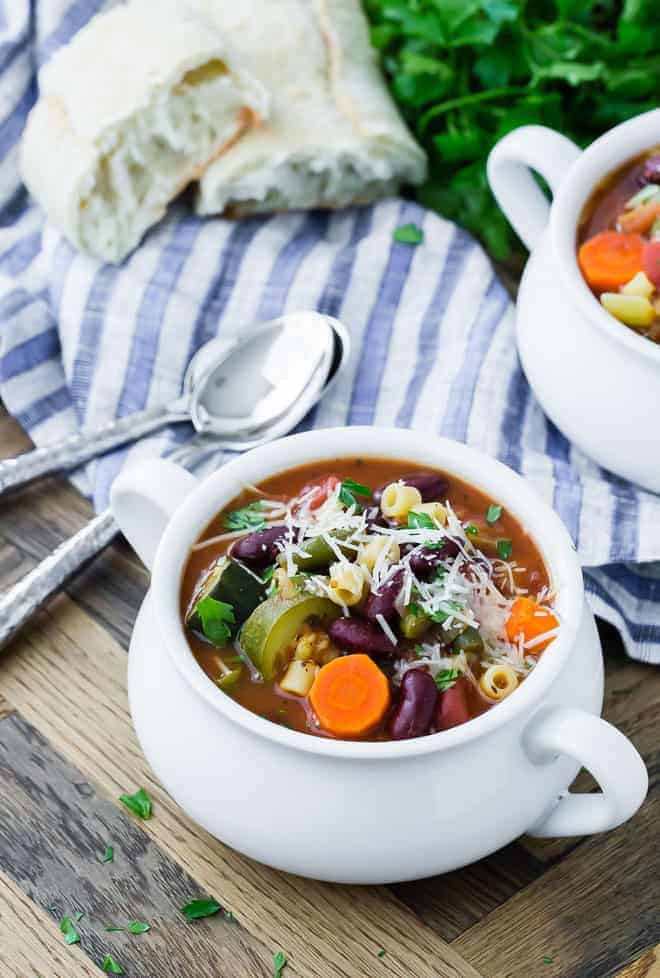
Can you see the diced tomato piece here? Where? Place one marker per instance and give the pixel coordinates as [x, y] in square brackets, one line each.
[318, 492]
[652, 261]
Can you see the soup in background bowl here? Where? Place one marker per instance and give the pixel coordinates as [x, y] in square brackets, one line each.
[367, 598]
[619, 244]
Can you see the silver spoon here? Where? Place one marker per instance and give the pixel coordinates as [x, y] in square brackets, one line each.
[264, 381]
[25, 597]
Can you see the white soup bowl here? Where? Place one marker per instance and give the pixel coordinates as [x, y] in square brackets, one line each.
[368, 812]
[596, 379]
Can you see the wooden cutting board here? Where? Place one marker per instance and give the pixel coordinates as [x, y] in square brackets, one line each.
[585, 908]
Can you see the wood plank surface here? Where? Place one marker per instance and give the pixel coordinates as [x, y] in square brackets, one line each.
[646, 966]
[86, 720]
[31, 943]
[54, 828]
[556, 908]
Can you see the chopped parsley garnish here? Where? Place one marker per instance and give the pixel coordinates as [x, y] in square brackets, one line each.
[110, 929]
[109, 964]
[202, 907]
[108, 855]
[493, 514]
[216, 617]
[420, 521]
[446, 679]
[472, 530]
[350, 489]
[441, 615]
[381, 954]
[139, 926]
[71, 935]
[279, 963]
[548, 959]
[504, 548]
[247, 518]
[409, 234]
[139, 803]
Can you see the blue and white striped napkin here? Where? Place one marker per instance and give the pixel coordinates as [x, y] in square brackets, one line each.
[432, 328]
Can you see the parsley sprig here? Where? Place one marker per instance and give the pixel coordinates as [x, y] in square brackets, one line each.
[446, 679]
[466, 72]
[350, 489]
[216, 617]
[247, 518]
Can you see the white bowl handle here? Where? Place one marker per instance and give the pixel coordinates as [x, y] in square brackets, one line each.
[515, 189]
[143, 498]
[603, 750]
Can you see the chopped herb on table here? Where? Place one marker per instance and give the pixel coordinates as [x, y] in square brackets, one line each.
[110, 965]
[381, 954]
[71, 935]
[139, 803]
[139, 927]
[279, 963]
[548, 959]
[79, 915]
[108, 855]
[465, 74]
[504, 548]
[250, 517]
[493, 514]
[200, 908]
[409, 234]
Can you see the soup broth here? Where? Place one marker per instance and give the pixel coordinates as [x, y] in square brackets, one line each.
[366, 599]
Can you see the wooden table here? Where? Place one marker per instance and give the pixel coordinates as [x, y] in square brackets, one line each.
[561, 909]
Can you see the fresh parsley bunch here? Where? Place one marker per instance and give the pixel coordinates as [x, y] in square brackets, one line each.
[466, 72]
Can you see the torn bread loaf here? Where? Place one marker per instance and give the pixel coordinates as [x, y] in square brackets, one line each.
[334, 137]
[129, 112]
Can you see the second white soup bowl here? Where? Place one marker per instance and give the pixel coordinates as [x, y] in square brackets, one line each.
[598, 380]
[368, 812]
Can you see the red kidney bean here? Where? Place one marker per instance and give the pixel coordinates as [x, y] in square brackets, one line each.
[383, 603]
[452, 709]
[413, 713]
[651, 171]
[432, 485]
[424, 560]
[258, 549]
[355, 635]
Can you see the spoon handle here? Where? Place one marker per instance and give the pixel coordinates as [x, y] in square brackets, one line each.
[84, 445]
[20, 602]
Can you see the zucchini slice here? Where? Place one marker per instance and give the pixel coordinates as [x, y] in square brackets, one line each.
[274, 624]
[228, 581]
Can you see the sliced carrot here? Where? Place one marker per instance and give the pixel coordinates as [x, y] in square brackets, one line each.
[610, 259]
[640, 219]
[530, 620]
[350, 696]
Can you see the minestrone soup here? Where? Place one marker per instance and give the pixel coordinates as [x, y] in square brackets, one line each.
[367, 599]
[619, 244]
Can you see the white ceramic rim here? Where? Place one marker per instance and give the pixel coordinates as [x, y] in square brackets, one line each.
[500, 482]
[602, 157]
